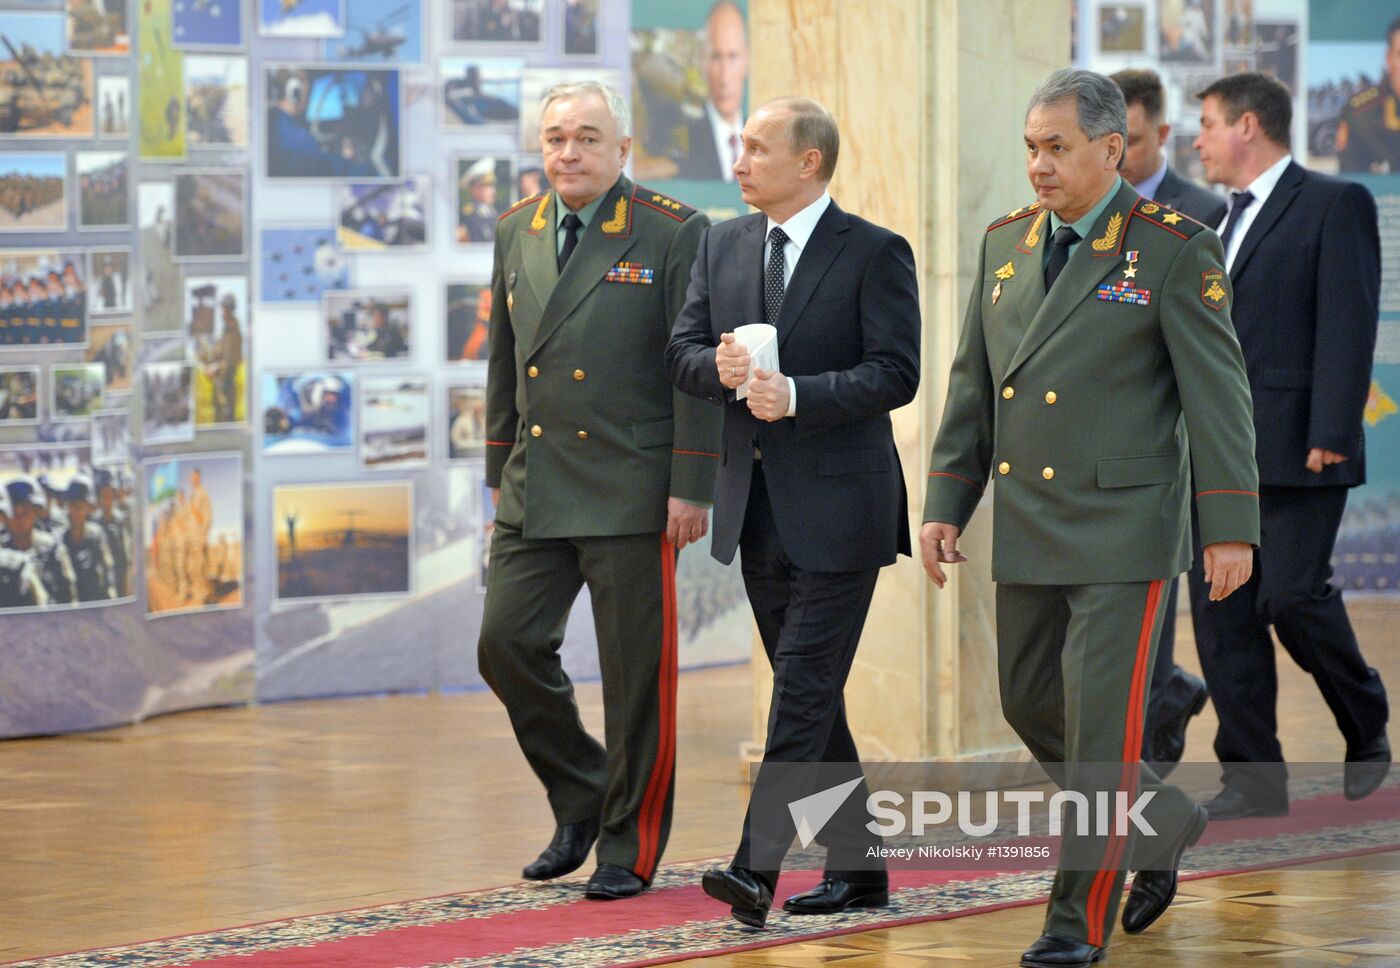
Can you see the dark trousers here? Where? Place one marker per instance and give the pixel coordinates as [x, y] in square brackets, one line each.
[1289, 591]
[1162, 701]
[530, 587]
[810, 623]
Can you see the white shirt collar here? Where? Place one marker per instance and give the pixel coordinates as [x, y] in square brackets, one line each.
[722, 130]
[799, 228]
[1263, 186]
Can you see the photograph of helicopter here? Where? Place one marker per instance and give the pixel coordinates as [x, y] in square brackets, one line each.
[44, 91]
[98, 27]
[376, 37]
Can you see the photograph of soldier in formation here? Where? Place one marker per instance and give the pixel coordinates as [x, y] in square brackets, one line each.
[218, 330]
[343, 540]
[216, 101]
[497, 21]
[111, 346]
[368, 325]
[43, 301]
[98, 27]
[308, 413]
[193, 532]
[104, 194]
[485, 190]
[113, 106]
[466, 422]
[110, 272]
[19, 395]
[76, 390]
[33, 192]
[45, 92]
[393, 422]
[383, 218]
[111, 437]
[167, 387]
[478, 92]
[209, 215]
[65, 529]
[468, 321]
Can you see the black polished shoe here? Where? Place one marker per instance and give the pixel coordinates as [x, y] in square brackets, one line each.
[1366, 768]
[748, 896]
[1231, 804]
[565, 853]
[1054, 951]
[1153, 890]
[1189, 694]
[833, 895]
[612, 883]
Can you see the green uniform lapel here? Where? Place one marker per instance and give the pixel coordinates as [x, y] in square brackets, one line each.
[604, 242]
[1096, 257]
[1028, 284]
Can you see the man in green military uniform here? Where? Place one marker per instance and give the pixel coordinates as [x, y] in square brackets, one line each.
[1098, 320]
[1368, 136]
[602, 472]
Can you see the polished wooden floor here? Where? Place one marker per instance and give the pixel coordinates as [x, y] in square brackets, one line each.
[208, 819]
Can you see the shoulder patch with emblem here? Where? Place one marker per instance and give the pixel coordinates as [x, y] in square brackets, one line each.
[663, 203]
[1015, 215]
[1365, 99]
[1213, 288]
[523, 203]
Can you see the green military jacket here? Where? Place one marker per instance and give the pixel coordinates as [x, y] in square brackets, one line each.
[585, 434]
[1093, 406]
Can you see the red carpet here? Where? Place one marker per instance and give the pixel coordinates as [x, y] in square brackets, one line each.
[541, 925]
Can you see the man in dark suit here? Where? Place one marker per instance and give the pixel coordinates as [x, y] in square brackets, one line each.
[713, 142]
[1303, 253]
[810, 488]
[1176, 695]
[603, 472]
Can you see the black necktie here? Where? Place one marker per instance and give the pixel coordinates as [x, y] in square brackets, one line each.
[572, 223]
[1063, 238]
[774, 281]
[1239, 201]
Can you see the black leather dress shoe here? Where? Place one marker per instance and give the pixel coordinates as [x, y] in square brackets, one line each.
[1366, 768]
[1054, 951]
[1231, 804]
[1153, 890]
[749, 897]
[1188, 695]
[612, 883]
[565, 853]
[833, 895]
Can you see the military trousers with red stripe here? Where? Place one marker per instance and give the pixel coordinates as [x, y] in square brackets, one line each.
[627, 784]
[1075, 665]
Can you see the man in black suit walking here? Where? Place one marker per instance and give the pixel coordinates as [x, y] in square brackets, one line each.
[1176, 695]
[1303, 253]
[810, 489]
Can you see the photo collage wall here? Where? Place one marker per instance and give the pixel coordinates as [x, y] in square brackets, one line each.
[244, 319]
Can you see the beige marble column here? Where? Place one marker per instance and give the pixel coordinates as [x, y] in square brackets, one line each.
[930, 95]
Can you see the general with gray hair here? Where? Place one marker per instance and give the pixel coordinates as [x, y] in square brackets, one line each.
[617, 104]
[1100, 104]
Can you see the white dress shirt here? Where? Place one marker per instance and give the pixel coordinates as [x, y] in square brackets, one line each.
[723, 131]
[799, 229]
[1262, 187]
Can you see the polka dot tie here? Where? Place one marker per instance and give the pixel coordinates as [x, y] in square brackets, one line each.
[773, 282]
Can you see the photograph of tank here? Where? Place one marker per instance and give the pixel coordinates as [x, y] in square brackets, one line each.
[343, 540]
[45, 92]
[98, 27]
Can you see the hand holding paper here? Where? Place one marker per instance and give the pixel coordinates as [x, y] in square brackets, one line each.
[761, 342]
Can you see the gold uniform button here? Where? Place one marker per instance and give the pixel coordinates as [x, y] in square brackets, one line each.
[1008, 392]
[579, 374]
[533, 371]
[583, 435]
[1004, 467]
[1050, 396]
[1048, 473]
[536, 430]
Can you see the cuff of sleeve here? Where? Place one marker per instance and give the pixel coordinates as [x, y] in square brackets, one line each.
[1228, 515]
[951, 498]
[792, 398]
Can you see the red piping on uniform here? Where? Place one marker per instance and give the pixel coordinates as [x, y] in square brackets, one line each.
[696, 453]
[956, 477]
[663, 768]
[1204, 493]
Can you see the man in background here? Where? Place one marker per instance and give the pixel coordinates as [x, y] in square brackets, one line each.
[715, 138]
[1368, 135]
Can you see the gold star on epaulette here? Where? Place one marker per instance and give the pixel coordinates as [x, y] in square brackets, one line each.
[1171, 218]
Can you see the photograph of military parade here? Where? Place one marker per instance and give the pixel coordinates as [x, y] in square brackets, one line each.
[43, 301]
[343, 540]
[33, 192]
[193, 533]
[65, 529]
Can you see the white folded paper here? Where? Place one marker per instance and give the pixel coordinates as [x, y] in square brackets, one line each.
[761, 340]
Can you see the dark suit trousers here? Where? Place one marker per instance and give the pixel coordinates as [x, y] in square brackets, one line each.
[531, 585]
[810, 623]
[1162, 701]
[1289, 590]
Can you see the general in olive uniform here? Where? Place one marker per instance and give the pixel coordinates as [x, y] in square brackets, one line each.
[1084, 345]
[603, 469]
